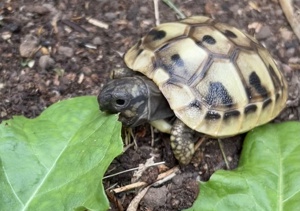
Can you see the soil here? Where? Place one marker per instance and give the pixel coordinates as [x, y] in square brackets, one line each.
[54, 50]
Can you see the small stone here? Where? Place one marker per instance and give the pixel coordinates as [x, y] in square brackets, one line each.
[144, 10]
[290, 52]
[67, 51]
[86, 70]
[28, 46]
[97, 41]
[156, 196]
[110, 15]
[294, 60]
[46, 62]
[264, 33]
[6, 35]
[13, 27]
[39, 9]
[286, 34]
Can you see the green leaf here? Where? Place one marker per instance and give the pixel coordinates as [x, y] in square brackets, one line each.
[57, 160]
[268, 176]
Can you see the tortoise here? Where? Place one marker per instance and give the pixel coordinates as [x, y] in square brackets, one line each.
[215, 79]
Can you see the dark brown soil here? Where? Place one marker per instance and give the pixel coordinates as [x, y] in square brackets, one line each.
[49, 51]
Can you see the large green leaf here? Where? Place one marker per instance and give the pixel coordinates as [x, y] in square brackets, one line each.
[57, 160]
[268, 176]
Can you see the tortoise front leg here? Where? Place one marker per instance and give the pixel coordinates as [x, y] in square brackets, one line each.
[182, 142]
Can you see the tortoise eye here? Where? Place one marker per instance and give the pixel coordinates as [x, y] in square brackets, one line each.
[120, 102]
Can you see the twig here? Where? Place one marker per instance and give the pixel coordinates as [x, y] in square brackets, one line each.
[292, 16]
[140, 184]
[97, 23]
[133, 206]
[152, 135]
[223, 153]
[156, 12]
[162, 181]
[74, 26]
[129, 187]
[133, 169]
[199, 142]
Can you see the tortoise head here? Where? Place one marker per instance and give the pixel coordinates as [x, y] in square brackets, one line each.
[137, 99]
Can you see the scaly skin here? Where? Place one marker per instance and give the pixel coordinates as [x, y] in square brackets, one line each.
[182, 142]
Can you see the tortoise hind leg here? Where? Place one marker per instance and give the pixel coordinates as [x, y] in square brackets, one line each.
[182, 142]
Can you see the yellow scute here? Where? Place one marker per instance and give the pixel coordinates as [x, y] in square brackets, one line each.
[143, 63]
[160, 76]
[178, 96]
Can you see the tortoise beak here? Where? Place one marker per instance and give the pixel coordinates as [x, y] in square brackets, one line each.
[104, 101]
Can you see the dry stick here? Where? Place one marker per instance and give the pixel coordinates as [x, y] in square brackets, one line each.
[152, 136]
[140, 184]
[199, 142]
[292, 16]
[223, 154]
[132, 169]
[97, 23]
[133, 206]
[156, 12]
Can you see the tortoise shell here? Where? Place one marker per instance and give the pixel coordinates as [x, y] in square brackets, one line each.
[218, 80]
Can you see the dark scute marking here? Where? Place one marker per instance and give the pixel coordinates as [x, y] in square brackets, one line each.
[155, 63]
[248, 92]
[230, 114]
[274, 76]
[229, 34]
[267, 102]
[254, 81]
[139, 52]
[157, 35]
[217, 92]
[164, 47]
[212, 115]
[209, 39]
[196, 104]
[277, 96]
[177, 60]
[250, 109]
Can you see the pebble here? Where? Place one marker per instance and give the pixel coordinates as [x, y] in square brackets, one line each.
[67, 51]
[294, 60]
[86, 70]
[290, 52]
[28, 46]
[110, 15]
[144, 10]
[41, 10]
[286, 34]
[156, 196]
[6, 35]
[264, 33]
[46, 62]
[97, 41]
[13, 27]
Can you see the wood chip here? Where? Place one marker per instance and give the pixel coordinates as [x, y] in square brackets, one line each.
[97, 23]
